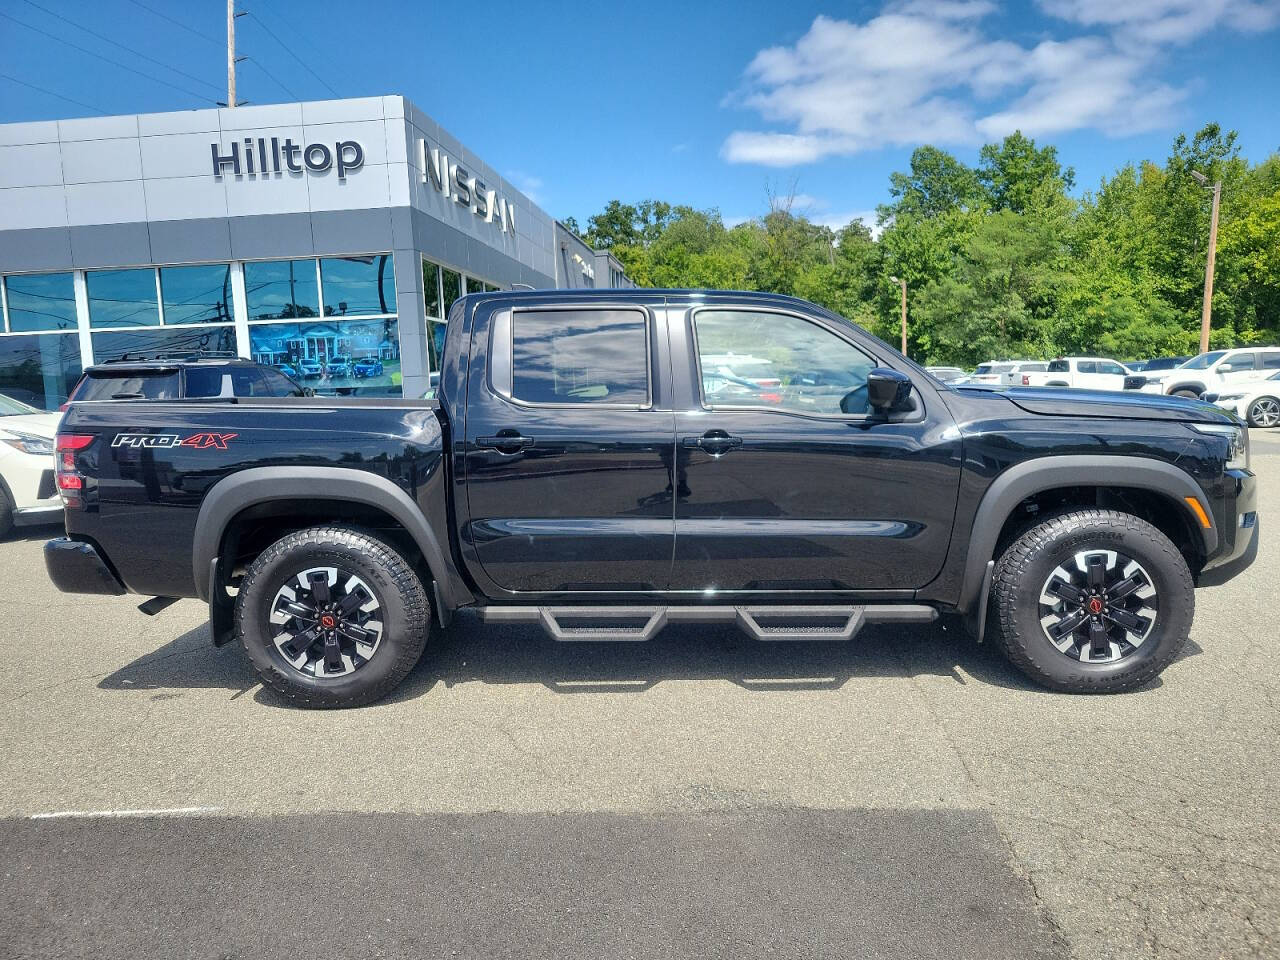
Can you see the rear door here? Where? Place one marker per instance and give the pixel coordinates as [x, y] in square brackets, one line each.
[569, 448]
[1110, 375]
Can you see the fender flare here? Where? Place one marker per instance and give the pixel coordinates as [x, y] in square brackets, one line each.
[257, 485]
[1197, 386]
[1035, 476]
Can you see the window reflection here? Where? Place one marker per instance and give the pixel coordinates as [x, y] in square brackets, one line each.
[196, 294]
[358, 285]
[122, 298]
[580, 356]
[333, 356]
[141, 344]
[41, 301]
[452, 283]
[39, 369]
[281, 289]
[431, 288]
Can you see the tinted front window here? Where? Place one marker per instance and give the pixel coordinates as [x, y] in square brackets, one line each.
[779, 362]
[281, 289]
[196, 294]
[356, 286]
[1204, 360]
[580, 356]
[45, 301]
[122, 298]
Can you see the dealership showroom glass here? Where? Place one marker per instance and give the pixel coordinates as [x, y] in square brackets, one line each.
[328, 239]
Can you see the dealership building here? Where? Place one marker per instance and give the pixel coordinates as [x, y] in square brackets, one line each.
[326, 238]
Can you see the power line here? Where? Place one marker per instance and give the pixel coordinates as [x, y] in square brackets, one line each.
[177, 23]
[78, 103]
[288, 49]
[257, 63]
[114, 63]
[136, 53]
[294, 33]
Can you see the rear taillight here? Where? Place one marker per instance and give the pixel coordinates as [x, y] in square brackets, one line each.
[70, 482]
[1026, 380]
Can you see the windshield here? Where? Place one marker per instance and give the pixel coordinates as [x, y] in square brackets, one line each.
[10, 407]
[1204, 360]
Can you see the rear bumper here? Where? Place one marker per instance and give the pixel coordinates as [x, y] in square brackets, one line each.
[76, 567]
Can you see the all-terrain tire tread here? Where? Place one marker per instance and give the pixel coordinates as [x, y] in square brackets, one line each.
[1008, 578]
[404, 578]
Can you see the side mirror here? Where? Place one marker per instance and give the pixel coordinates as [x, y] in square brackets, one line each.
[888, 390]
[308, 392]
[1226, 367]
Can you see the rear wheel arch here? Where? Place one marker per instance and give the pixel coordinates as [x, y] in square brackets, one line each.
[373, 498]
[997, 514]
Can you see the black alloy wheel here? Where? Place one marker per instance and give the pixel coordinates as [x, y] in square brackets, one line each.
[326, 622]
[1099, 607]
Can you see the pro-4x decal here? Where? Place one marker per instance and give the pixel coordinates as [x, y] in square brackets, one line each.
[167, 441]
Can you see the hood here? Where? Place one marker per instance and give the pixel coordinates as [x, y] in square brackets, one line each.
[40, 424]
[1124, 405]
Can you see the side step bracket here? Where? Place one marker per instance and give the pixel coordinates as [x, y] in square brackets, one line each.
[803, 623]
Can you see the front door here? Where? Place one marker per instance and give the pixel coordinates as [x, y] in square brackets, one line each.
[785, 482]
[569, 449]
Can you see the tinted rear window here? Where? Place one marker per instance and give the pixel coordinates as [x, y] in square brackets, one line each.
[129, 385]
[1059, 366]
[580, 356]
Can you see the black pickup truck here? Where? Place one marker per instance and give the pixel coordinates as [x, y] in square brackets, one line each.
[606, 462]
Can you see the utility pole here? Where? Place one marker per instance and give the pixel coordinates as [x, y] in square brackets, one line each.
[1207, 308]
[231, 53]
[904, 313]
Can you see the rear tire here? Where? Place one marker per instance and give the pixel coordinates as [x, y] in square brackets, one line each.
[1264, 412]
[360, 588]
[1142, 581]
[1189, 394]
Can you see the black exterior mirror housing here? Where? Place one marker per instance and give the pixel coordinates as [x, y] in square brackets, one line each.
[888, 391]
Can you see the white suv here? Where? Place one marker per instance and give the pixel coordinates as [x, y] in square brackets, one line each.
[1213, 371]
[27, 490]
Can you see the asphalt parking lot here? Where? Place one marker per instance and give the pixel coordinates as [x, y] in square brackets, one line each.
[907, 794]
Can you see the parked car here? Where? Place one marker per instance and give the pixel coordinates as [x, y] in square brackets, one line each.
[187, 375]
[991, 372]
[1093, 373]
[366, 367]
[1213, 372]
[288, 370]
[574, 473]
[311, 368]
[1256, 402]
[339, 365]
[1013, 377]
[27, 491]
[948, 374]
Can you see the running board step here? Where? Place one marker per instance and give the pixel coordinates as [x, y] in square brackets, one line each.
[804, 623]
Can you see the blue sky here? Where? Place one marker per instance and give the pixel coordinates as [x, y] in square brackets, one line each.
[712, 105]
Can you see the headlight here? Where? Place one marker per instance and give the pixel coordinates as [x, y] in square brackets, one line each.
[1237, 442]
[1230, 396]
[28, 443]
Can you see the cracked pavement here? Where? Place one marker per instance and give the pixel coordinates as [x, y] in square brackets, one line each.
[1142, 825]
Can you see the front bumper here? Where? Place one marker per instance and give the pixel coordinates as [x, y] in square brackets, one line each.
[1238, 530]
[76, 567]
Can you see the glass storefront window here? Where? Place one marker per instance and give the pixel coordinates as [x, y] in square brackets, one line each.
[139, 344]
[281, 289]
[452, 288]
[358, 285]
[122, 298]
[39, 369]
[196, 294]
[333, 356]
[431, 288]
[41, 301]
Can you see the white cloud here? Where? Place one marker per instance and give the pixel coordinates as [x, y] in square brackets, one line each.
[927, 70]
[527, 184]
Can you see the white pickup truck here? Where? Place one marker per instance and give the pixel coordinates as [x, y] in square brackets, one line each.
[1212, 372]
[1094, 373]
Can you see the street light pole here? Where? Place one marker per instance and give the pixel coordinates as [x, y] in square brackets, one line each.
[1207, 308]
[904, 313]
[231, 53]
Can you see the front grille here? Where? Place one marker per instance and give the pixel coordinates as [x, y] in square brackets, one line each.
[47, 488]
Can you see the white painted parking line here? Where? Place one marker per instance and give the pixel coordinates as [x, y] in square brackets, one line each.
[156, 812]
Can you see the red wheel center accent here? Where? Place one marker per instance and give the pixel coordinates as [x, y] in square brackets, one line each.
[1095, 605]
[328, 621]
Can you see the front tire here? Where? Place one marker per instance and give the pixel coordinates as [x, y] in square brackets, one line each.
[332, 617]
[1186, 392]
[1264, 412]
[6, 514]
[1092, 601]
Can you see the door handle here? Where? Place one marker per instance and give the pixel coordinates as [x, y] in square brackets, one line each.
[505, 442]
[714, 442]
